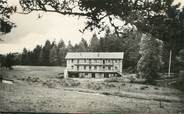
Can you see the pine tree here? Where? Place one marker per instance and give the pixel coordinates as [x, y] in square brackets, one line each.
[94, 43]
[61, 52]
[53, 56]
[46, 51]
[36, 53]
[69, 47]
[150, 61]
[83, 46]
[25, 58]
[40, 58]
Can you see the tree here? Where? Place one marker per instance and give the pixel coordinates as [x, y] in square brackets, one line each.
[53, 57]
[94, 43]
[160, 18]
[142, 13]
[2, 60]
[40, 58]
[180, 63]
[46, 53]
[36, 53]
[180, 59]
[10, 60]
[61, 52]
[69, 47]
[150, 61]
[18, 59]
[5, 11]
[25, 58]
[83, 46]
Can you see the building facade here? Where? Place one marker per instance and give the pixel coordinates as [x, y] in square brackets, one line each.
[94, 64]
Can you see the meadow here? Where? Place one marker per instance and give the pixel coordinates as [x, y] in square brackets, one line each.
[43, 89]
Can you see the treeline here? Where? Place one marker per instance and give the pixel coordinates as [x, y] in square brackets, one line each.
[53, 54]
[7, 61]
[50, 54]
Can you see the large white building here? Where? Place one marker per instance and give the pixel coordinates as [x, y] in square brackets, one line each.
[94, 64]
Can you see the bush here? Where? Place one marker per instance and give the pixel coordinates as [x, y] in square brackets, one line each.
[114, 79]
[180, 83]
[50, 83]
[94, 86]
[143, 87]
[70, 82]
[53, 83]
[32, 79]
[108, 85]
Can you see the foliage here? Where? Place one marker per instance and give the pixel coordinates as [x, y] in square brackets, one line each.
[69, 47]
[82, 46]
[62, 52]
[7, 61]
[24, 57]
[179, 83]
[94, 43]
[5, 12]
[53, 56]
[147, 15]
[180, 59]
[150, 61]
[160, 18]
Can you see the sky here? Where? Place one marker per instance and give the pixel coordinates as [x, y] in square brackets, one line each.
[31, 30]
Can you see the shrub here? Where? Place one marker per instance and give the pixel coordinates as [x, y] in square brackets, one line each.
[114, 79]
[143, 87]
[94, 86]
[70, 82]
[180, 83]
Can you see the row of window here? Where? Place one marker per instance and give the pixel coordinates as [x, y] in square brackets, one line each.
[94, 60]
[94, 67]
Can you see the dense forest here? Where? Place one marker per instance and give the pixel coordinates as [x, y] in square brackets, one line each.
[53, 54]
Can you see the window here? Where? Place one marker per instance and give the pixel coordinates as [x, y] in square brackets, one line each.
[116, 67]
[97, 61]
[72, 66]
[103, 67]
[89, 60]
[84, 60]
[86, 73]
[84, 67]
[109, 68]
[77, 60]
[89, 67]
[77, 67]
[72, 60]
[95, 67]
[103, 61]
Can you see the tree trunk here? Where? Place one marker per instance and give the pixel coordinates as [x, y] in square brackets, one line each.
[170, 60]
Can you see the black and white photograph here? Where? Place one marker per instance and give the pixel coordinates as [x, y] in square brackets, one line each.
[92, 56]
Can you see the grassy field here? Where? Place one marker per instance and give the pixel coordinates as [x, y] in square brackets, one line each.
[41, 89]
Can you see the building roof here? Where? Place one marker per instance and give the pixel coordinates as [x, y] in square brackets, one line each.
[94, 55]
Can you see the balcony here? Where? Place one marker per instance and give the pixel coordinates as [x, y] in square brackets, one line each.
[93, 64]
[93, 70]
